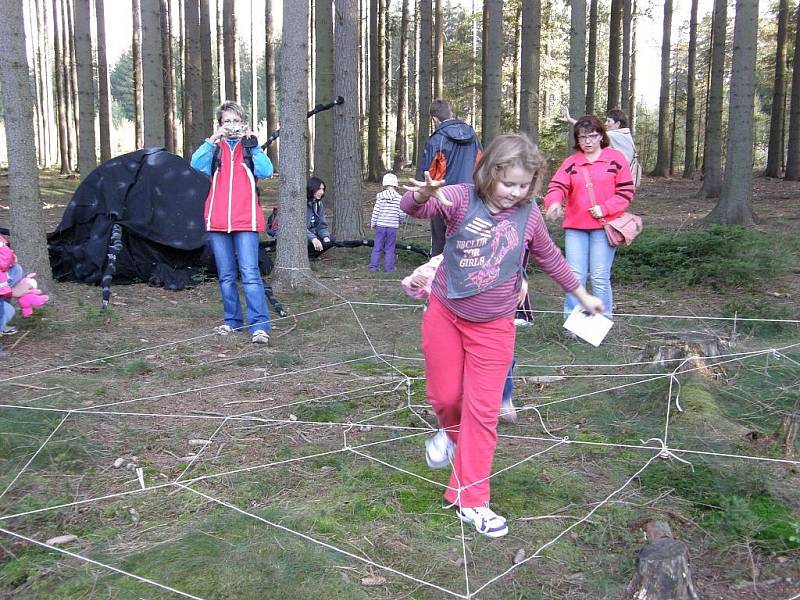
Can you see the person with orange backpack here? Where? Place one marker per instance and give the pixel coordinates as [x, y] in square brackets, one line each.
[450, 154]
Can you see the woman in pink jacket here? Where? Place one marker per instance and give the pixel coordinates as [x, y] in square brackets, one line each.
[590, 186]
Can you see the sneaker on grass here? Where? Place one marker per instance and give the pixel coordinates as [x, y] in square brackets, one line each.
[485, 520]
[439, 450]
[260, 337]
[224, 330]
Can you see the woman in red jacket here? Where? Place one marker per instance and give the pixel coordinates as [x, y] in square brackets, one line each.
[592, 185]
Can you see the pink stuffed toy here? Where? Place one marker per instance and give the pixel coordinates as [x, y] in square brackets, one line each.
[33, 299]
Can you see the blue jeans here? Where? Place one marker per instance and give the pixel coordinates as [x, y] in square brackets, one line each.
[240, 248]
[590, 255]
[7, 309]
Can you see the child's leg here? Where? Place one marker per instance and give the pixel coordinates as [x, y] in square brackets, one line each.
[391, 240]
[6, 313]
[380, 234]
[488, 351]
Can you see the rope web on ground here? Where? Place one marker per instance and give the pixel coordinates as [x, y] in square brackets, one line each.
[398, 378]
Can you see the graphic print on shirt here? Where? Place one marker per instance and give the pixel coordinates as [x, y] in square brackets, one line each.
[504, 238]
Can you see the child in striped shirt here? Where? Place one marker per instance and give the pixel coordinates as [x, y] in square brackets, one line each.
[386, 217]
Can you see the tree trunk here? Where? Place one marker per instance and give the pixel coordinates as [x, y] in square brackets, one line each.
[625, 91]
[376, 75]
[775, 147]
[61, 90]
[253, 72]
[347, 170]
[168, 76]
[387, 80]
[103, 88]
[632, 94]
[152, 76]
[674, 121]
[232, 50]
[87, 153]
[577, 59]
[323, 122]
[663, 158]
[438, 50]
[787, 435]
[793, 149]
[712, 172]
[614, 55]
[591, 65]
[72, 77]
[269, 62]
[515, 64]
[529, 80]
[493, 69]
[688, 158]
[291, 268]
[400, 142]
[207, 62]
[424, 99]
[138, 92]
[735, 201]
[25, 207]
[220, 50]
[193, 130]
[42, 79]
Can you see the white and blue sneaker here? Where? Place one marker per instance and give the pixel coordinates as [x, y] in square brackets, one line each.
[485, 520]
[439, 450]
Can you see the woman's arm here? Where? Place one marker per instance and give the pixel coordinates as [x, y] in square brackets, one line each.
[202, 158]
[262, 165]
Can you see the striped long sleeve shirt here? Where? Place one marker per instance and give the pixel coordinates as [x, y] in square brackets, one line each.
[386, 212]
[500, 301]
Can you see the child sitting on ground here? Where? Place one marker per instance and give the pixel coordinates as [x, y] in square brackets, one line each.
[386, 217]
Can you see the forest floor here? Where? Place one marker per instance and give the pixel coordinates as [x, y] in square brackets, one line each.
[296, 470]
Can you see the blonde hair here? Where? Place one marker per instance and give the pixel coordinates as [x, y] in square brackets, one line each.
[231, 106]
[509, 150]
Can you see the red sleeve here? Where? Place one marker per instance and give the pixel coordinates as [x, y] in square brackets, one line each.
[559, 187]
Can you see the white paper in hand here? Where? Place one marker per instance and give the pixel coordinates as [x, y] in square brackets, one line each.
[592, 328]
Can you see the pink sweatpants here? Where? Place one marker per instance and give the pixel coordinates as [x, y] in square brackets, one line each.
[466, 364]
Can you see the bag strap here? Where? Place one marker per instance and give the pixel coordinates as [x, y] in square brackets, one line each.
[587, 178]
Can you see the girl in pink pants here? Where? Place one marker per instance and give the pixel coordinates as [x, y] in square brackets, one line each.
[468, 330]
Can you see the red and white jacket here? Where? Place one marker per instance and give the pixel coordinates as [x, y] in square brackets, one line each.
[232, 203]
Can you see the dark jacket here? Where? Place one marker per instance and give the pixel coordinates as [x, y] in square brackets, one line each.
[452, 151]
[316, 225]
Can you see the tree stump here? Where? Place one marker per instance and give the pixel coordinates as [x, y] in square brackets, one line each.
[787, 435]
[662, 568]
[668, 349]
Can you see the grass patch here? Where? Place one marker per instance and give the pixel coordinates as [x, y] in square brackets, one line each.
[757, 308]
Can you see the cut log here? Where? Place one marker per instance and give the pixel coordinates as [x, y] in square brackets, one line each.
[662, 567]
[668, 350]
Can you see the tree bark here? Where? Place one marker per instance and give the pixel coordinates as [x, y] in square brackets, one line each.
[138, 76]
[529, 79]
[793, 147]
[232, 50]
[493, 68]
[438, 50]
[347, 169]
[103, 88]
[775, 146]
[401, 141]
[688, 158]
[87, 153]
[614, 55]
[61, 90]
[663, 157]
[207, 62]
[625, 90]
[41, 78]
[72, 78]
[323, 122]
[735, 201]
[168, 76]
[577, 59]
[193, 131]
[632, 113]
[712, 171]
[269, 62]
[376, 75]
[152, 75]
[220, 51]
[591, 65]
[291, 268]
[25, 210]
[424, 59]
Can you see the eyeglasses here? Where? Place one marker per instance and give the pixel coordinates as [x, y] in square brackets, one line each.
[592, 137]
[232, 122]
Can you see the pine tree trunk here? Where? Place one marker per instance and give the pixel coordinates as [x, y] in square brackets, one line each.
[220, 51]
[347, 170]
[529, 84]
[193, 130]
[152, 75]
[775, 147]
[614, 55]
[231, 60]
[72, 72]
[87, 153]
[375, 135]
[793, 146]
[625, 91]
[291, 268]
[663, 157]
[138, 93]
[39, 70]
[323, 122]
[61, 104]
[438, 49]
[254, 71]
[591, 65]
[735, 201]
[206, 60]
[387, 81]
[632, 113]
[424, 60]
[493, 69]
[103, 88]
[401, 142]
[577, 60]
[688, 159]
[712, 172]
[674, 121]
[515, 64]
[269, 62]
[25, 210]
[168, 75]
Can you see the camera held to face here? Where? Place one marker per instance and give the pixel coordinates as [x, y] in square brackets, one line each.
[236, 131]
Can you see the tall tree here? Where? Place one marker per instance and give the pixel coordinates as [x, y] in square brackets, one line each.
[614, 55]
[577, 58]
[493, 69]
[194, 130]
[424, 61]
[438, 49]
[220, 52]
[269, 62]
[777, 116]
[735, 201]
[138, 76]
[712, 171]
[168, 75]
[663, 157]
[207, 62]
[231, 50]
[401, 142]
[625, 88]
[347, 170]
[323, 81]
[254, 70]
[87, 153]
[688, 158]
[103, 87]
[25, 210]
[529, 80]
[152, 76]
[376, 76]
[43, 118]
[793, 148]
[60, 77]
[292, 260]
[591, 65]
[72, 78]
[633, 54]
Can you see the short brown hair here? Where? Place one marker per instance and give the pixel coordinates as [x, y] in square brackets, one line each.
[509, 150]
[589, 124]
[441, 109]
[231, 106]
[618, 116]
